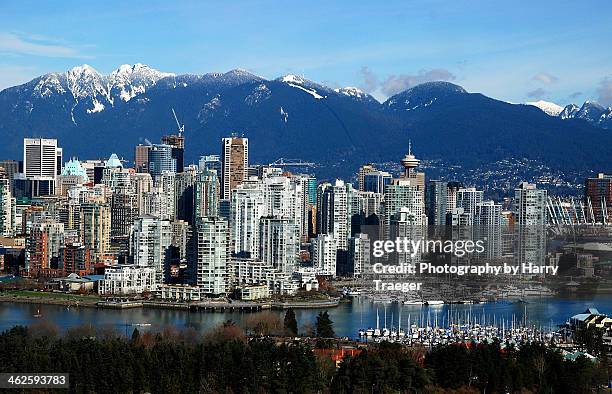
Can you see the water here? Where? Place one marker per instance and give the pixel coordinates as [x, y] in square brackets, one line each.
[348, 318]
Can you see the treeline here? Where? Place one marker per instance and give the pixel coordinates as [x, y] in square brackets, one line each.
[225, 360]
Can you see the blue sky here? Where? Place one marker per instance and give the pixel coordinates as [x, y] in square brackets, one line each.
[516, 51]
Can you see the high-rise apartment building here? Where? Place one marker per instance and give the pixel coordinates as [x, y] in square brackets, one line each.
[95, 223]
[324, 254]
[436, 202]
[530, 221]
[488, 228]
[468, 198]
[151, 240]
[141, 157]
[7, 209]
[235, 164]
[279, 243]
[333, 212]
[212, 255]
[177, 144]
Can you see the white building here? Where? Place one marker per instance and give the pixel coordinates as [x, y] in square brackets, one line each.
[7, 210]
[249, 272]
[333, 211]
[127, 279]
[151, 240]
[275, 196]
[530, 213]
[324, 252]
[468, 199]
[279, 243]
[488, 228]
[359, 254]
[213, 255]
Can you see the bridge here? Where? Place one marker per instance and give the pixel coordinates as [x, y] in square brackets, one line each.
[283, 162]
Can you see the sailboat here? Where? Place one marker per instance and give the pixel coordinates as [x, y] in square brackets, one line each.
[377, 330]
[38, 314]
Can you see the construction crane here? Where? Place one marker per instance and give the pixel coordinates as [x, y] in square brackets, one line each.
[181, 128]
[291, 163]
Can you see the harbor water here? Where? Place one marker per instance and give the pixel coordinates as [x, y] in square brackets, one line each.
[348, 317]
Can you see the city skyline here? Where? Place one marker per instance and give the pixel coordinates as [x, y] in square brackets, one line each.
[508, 52]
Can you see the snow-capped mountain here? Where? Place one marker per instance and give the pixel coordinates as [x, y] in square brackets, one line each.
[549, 108]
[94, 115]
[86, 84]
[129, 81]
[592, 112]
[569, 111]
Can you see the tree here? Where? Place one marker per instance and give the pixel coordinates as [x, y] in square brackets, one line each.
[325, 326]
[290, 323]
[135, 335]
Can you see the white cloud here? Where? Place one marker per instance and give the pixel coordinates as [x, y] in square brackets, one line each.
[545, 78]
[604, 91]
[398, 83]
[33, 45]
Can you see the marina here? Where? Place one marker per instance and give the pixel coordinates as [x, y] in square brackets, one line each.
[349, 317]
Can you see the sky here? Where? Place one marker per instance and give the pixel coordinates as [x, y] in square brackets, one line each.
[517, 51]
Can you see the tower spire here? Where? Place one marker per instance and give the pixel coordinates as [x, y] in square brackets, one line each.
[409, 162]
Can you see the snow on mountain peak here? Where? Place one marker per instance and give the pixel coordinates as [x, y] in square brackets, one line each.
[129, 81]
[547, 107]
[351, 91]
[291, 78]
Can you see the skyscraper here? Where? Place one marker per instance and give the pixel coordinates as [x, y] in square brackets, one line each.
[151, 240]
[212, 256]
[468, 198]
[279, 243]
[95, 221]
[598, 196]
[333, 212]
[235, 164]
[376, 181]
[141, 157]
[7, 209]
[436, 202]
[206, 195]
[530, 214]
[161, 160]
[363, 170]
[488, 228]
[177, 144]
[42, 160]
[324, 254]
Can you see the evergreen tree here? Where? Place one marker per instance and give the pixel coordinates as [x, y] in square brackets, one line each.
[325, 327]
[290, 323]
[135, 335]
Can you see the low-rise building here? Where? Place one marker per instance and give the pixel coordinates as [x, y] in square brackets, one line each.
[252, 292]
[128, 279]
[179, 293]
[74, 283]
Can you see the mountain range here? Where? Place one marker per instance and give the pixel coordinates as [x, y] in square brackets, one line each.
[94, 115]
[590, 111]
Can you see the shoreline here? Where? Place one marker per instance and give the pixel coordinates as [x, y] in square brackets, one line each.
[90, 302]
